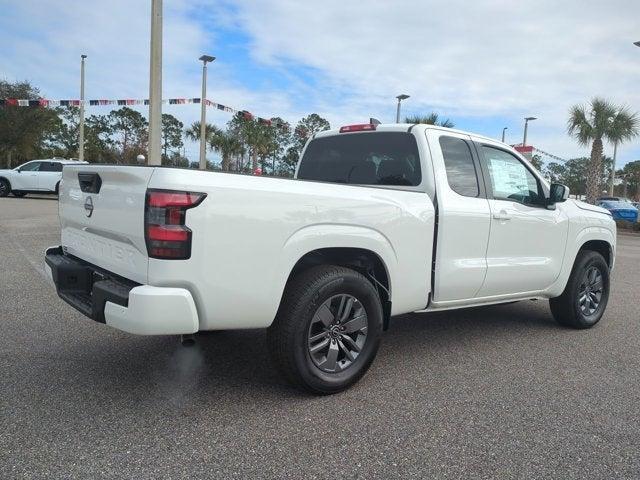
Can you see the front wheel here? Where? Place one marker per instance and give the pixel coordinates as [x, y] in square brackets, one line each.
[585, 297]
[327, 330]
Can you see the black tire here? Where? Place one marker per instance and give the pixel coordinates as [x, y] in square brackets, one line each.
[289, 337]
[5, 187]
[570, 309]
[57, 190]
[18, 194]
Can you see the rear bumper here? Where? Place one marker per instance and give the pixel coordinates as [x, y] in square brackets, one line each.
[118, 302]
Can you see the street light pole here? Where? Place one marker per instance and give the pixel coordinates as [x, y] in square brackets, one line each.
[526, 122]
[400, 98]
[81, 125]
[155, 86]
[504, 130]
[203, 112]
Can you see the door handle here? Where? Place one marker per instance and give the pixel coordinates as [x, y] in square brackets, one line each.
[502, 215]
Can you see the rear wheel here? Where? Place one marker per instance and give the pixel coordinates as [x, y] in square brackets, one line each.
[5, 187]
[585, 297]
[57, 190]
[327, 330]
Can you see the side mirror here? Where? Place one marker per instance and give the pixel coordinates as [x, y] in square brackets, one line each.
[558, 193]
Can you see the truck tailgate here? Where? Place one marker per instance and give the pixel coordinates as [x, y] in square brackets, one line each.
[102, 217]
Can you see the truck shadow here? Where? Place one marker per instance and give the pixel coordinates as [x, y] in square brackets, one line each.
[236, 363]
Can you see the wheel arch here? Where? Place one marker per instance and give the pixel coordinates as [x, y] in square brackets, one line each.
[603, 247]
[601, 240]
[5, 179]
[362, 260]
[362, 249]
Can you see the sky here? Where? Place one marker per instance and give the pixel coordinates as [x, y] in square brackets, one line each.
[485, 64]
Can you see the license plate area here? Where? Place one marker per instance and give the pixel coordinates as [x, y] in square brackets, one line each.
[86, 287]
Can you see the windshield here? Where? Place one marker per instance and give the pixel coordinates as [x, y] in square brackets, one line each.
[379, 158]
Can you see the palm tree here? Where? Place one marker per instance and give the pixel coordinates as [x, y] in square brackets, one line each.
[624, 126]
[430, 119]
[228, 145]
[193, 132]
[249, 132]
[258, 141]
[599, 120]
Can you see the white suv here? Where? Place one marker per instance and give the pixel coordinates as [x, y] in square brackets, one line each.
[36, 176]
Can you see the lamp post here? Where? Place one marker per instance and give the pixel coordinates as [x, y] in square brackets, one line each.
[504, 130]
[203, 112]
[526, 123]
[81, 125]
[400, 98]
[155, 85]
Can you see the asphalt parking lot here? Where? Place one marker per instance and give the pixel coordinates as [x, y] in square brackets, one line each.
[497, 392]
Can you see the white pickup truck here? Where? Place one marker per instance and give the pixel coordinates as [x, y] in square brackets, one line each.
[380, 220]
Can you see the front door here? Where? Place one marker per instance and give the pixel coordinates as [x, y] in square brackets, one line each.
[27, 177]
[527, 240]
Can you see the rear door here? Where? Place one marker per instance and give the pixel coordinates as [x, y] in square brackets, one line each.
[102, 220]
[49, 175]
[527, 242]
[463, 217]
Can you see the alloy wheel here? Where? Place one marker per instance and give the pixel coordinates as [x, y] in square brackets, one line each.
[590, 291]
[337, 333]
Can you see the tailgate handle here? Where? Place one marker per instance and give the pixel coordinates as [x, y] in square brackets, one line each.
[89, 182]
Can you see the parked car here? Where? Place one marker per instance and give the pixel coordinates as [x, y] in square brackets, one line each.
[380, 220]
[621, 210]
[36, 176]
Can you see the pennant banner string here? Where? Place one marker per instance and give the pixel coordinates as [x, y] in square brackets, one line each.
[44, 102]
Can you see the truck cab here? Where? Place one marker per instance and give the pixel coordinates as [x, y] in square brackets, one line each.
[497, 235]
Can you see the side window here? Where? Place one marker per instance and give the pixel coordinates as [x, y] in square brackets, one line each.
[51, 167]
[458, 162]
[510, 179]
[30, 167]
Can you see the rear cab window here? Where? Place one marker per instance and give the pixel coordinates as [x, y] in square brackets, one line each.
[372, 158]
[458, 162]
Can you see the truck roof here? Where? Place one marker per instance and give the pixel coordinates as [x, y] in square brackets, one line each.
[404, 127]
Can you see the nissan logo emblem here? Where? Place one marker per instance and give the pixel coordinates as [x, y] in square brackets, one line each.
[88, 206]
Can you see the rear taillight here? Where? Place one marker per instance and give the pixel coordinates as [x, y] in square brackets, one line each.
[164, 223]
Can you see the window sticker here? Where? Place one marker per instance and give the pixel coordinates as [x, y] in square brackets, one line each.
[507, 177]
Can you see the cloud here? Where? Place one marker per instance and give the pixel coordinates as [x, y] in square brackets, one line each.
[484, 64]
[466, 59]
